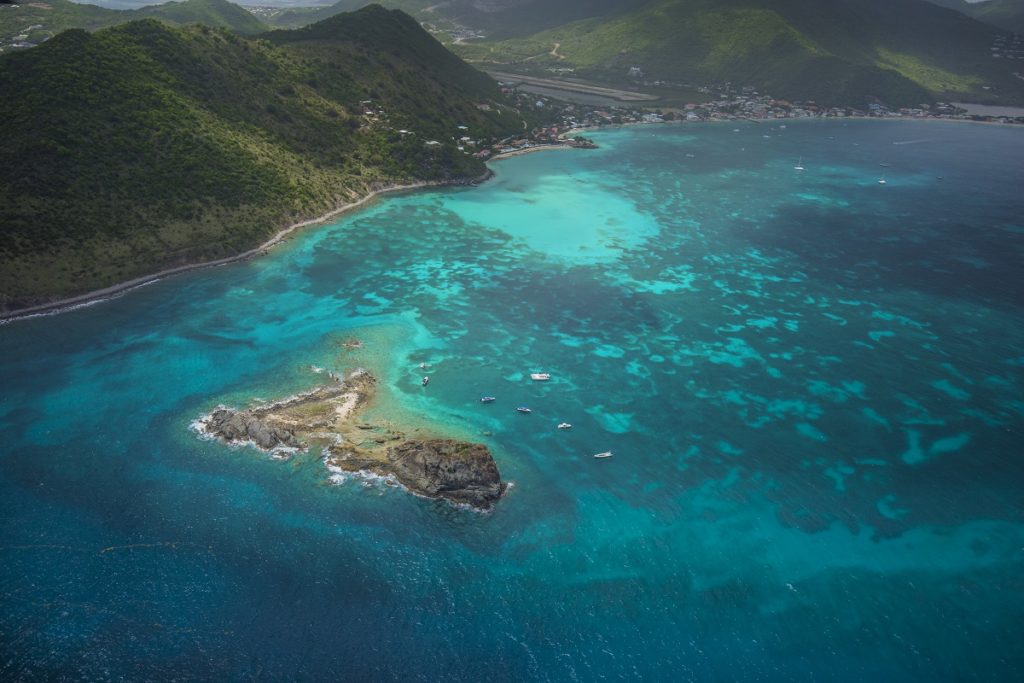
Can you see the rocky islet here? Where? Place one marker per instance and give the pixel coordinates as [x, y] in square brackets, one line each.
[330, 417]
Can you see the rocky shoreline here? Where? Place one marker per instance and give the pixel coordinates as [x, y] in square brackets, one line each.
[330, 417]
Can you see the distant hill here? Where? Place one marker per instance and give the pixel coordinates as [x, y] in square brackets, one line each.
[40, 20]
[833, 51]
[1005, 14]
[146, 146]
[216, 13]
[498, 18]
[841, 51]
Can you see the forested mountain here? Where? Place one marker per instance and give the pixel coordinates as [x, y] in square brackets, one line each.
[40, 20]
[498, 18]
[146, 146]
[832, 51]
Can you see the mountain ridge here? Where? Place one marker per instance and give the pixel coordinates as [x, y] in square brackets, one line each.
[843, 52]
[40, 20]
[901, 52]
[145, 146]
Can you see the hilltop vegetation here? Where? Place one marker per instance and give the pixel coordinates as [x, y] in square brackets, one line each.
[499, 18]
[215, 13]
[145, 146]
[848, 52]
[40, 20]
[839, 52]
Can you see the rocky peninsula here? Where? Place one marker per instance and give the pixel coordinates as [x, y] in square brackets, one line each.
[331, 417]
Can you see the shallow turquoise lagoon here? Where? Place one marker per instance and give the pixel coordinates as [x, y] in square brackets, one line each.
[813, 385]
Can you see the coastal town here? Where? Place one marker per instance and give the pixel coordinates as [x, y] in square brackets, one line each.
[725, 103]
[564, 123]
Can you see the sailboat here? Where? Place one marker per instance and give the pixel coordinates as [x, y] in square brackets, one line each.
[881, 181]
[799, 165]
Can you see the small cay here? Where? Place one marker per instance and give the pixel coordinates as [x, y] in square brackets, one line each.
[330, 417]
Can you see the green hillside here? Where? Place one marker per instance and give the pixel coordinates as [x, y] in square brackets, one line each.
[216, 13]
[145, 146]
[296, 17]
[1004, 14]
[498, 18]
[40, 20]
[842, 52]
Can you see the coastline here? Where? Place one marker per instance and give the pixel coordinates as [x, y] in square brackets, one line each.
[98, 295]
[612, 126]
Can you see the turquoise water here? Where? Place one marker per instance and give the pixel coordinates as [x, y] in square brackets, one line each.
[813, 385]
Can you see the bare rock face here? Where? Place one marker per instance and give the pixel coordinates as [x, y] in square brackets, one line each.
[443, 468]
[235, 426]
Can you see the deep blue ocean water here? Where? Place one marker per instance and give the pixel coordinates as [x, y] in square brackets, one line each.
[813, 385]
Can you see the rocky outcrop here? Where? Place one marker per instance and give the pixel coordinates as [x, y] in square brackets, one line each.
[331, 417]
[442, 468]
[290, 423]
[241, 426]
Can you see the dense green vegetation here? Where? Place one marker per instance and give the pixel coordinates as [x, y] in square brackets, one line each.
[900, 52]
[53, 16]
[216, 13]
[145, 146]
[499, 18]
[838, 52]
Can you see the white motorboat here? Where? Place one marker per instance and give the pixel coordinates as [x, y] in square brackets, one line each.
[565, 425]
[540, 376]
[606, 454]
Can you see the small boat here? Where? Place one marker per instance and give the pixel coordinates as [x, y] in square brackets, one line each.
[564, 425]
[799, 165]
[425, 381]
[606, 454]
[523, 409]
[540, 376]
[488, 399]
[881, 181]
